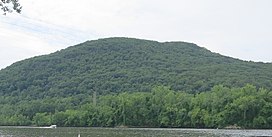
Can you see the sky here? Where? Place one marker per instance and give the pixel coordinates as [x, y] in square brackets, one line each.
[236, 28]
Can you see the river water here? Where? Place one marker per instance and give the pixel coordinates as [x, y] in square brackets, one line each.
[127, 132]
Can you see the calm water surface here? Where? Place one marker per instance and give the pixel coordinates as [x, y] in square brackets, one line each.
[127, 132]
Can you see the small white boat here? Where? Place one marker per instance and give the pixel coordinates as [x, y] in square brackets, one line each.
[53, 126]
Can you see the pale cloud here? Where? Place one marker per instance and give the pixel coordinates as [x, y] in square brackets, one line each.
[240, 29]
[23, 38]
[17, 45]
[14, 51]
[95, 15]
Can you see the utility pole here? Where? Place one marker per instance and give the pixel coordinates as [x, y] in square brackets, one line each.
[94, 98]
[123, 112]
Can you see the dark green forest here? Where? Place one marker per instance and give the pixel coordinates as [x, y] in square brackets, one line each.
[246, 107]
[139, 83]
[116, 65]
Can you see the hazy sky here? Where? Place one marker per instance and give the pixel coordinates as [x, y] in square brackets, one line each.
[236, 28]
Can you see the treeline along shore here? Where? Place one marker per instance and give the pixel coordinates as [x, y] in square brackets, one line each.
[246, 107]
[137, 83]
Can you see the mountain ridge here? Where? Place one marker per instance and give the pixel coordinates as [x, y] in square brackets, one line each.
[118, 64]
[136, 83]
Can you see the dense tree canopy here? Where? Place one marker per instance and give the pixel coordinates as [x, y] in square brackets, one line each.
[138, 83]
[122, 64]
[246, 107]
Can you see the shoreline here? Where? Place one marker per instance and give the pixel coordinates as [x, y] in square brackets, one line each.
[140, 128]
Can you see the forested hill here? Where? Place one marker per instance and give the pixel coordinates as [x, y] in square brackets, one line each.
[124, 64]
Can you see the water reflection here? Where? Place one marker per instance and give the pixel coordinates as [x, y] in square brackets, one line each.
[127, 132]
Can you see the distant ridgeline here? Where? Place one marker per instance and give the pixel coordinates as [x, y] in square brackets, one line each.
[67, 79]
[122, 64]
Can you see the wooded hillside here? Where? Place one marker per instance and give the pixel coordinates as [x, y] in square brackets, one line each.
[115, 65]
[58, 88]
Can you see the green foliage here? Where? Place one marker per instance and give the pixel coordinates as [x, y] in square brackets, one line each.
[41, 119]
[247, 107]
[125, 73]
[116, 65]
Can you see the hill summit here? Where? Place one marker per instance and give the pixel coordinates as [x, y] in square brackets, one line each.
[114, 65]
